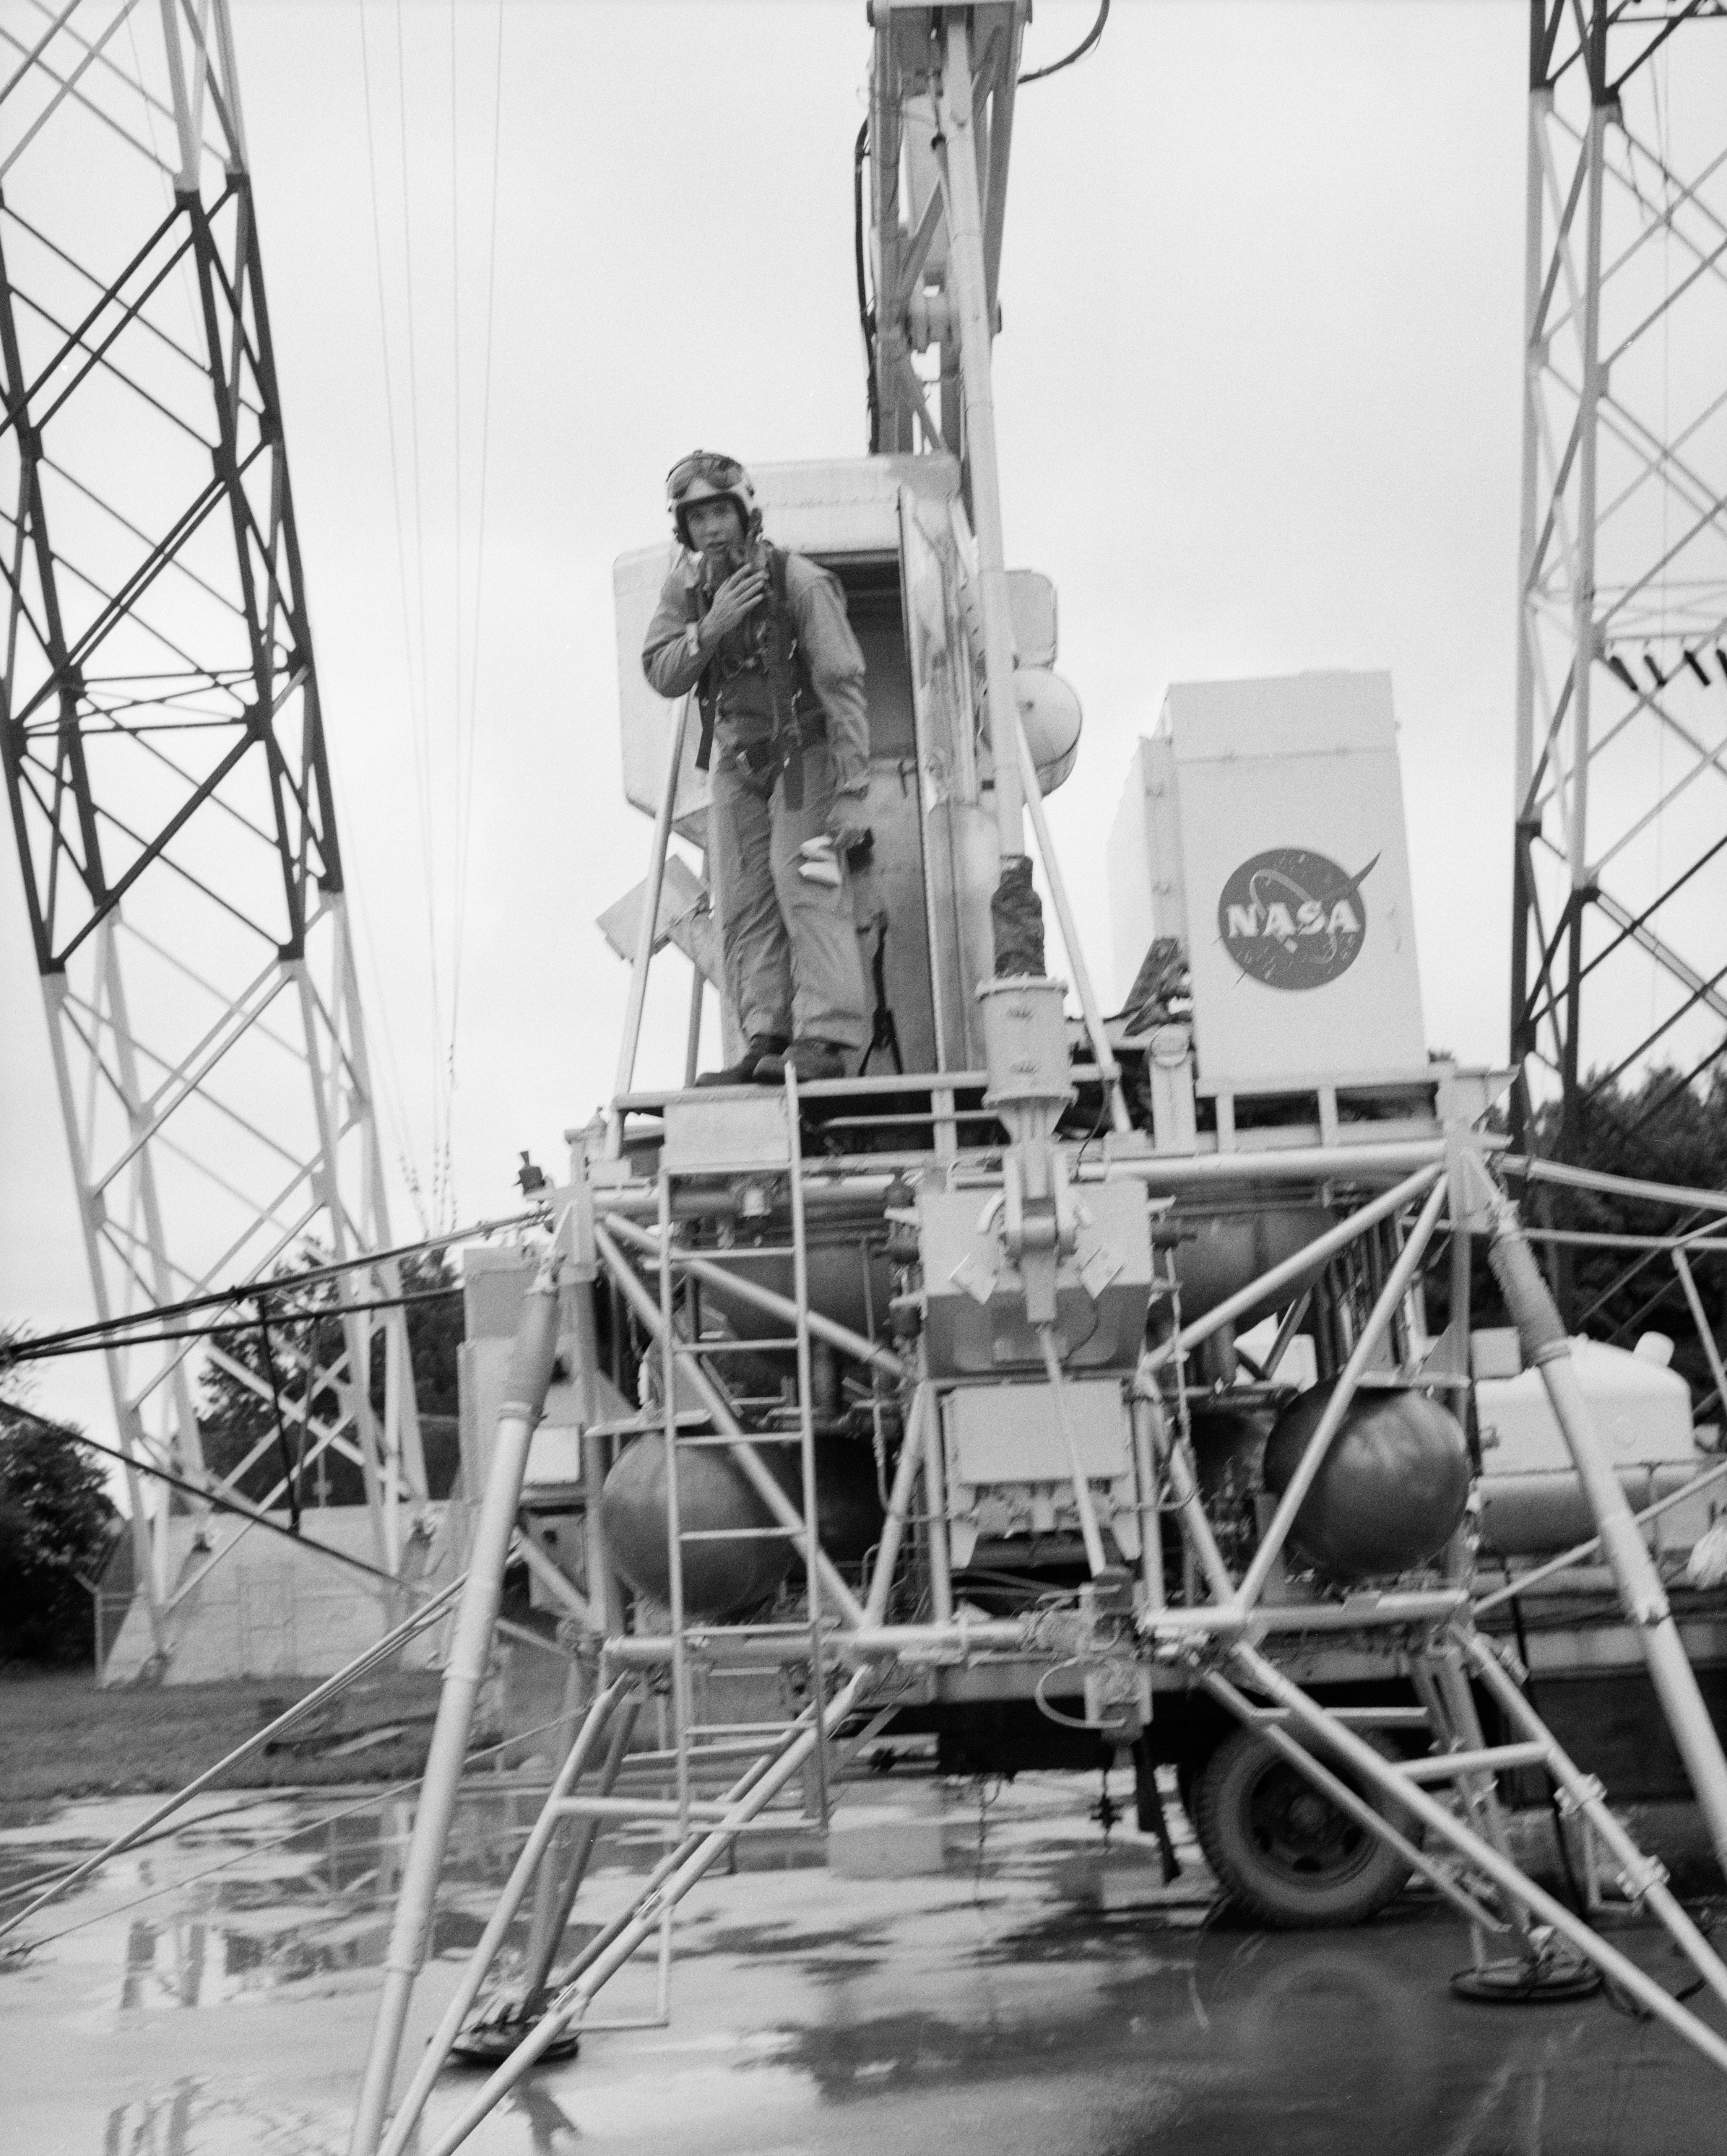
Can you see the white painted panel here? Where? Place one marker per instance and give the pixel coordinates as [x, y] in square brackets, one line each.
[1031, 607]
[1288, 714]
[1143, 860]
[646, 720]
[846, 505]
[1010, 1433]
[1296, 870]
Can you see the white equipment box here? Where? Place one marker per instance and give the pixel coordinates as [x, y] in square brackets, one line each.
[1262, 825]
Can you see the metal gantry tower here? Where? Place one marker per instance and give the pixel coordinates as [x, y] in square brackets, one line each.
[1619, 962]
[918, 286]
[165, 757]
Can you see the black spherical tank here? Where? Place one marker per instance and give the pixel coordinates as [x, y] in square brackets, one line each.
[1391, 1489]
[719, 1577]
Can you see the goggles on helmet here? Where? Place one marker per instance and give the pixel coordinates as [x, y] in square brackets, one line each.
[723, 472]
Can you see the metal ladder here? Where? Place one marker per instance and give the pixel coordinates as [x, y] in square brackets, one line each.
[698, 1743]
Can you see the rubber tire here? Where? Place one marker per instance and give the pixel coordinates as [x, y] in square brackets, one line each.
[1330, 1871]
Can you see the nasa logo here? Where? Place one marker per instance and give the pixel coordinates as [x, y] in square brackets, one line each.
[1293, 919]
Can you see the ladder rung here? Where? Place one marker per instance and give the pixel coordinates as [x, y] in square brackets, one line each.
[763, 1823]
[1361, 1717]
[734, 1534]
[745, 1747]
[636, 1425]
[1492, 1759]
[751, 1437]
[753, 1729]
[703, 1811]
[732, 1346]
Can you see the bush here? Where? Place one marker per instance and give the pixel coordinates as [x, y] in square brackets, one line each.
[57, 1524]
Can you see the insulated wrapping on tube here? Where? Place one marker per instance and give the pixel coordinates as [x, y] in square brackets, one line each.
[1531, 1306]
[532, 1353]
[1016, 920]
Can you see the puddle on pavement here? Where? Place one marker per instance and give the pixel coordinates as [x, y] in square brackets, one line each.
[973, 1996]
[249, 1898]
[255, 1896]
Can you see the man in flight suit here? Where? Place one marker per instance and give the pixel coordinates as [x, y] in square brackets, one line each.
[761, 637]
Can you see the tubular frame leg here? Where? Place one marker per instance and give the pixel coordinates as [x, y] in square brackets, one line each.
[470, 1649]
[899, 1505]
[485, 1951]
[1353, 1806]
[556, 1895]
[1452, 1712]
[1178, 1463]
[1385, 1310]
[572, 2003]
[1644, 1878]
[1642, 1594]
[1337, 1737]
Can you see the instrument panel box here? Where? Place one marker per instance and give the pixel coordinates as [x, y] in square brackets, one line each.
[975, 1319]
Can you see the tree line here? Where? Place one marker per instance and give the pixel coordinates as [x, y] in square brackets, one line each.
[59, 1525]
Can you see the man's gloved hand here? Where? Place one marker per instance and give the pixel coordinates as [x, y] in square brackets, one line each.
[846, 825]
[739, 595]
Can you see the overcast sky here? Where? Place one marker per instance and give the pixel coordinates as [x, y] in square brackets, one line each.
[1258, 402]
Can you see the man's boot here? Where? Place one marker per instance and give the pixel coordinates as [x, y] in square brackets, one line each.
[809, 1059]
[743, 1072]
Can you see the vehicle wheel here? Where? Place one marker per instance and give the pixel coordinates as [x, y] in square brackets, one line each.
[1283, 1852]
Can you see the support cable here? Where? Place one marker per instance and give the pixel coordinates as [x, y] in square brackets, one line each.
[51, 1348]
[402, 578]
[217, 1297]
[465, 749]
[419, 535]
[223, 1501]
[447, 1044]
[1078, 52]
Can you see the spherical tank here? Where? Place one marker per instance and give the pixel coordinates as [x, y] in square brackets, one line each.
[837, 1275]
[1221, 1250]
[712, 1492]
[1392, 1487]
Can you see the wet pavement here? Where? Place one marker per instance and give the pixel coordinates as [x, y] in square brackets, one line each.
[213, 1993]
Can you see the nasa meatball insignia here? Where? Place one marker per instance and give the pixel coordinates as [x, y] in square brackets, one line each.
[1293, 919]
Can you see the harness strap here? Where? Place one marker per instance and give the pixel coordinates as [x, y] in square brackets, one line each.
[704, 702]
[788, 738]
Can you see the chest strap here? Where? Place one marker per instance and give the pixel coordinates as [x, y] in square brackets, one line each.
[788, 751]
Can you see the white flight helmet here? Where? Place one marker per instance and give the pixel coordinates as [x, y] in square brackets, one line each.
[705, 475]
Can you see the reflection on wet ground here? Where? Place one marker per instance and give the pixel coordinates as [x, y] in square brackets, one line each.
[211, 1992]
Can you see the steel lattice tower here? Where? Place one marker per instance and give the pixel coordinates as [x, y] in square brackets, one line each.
[1619, 958]
[164, 746]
